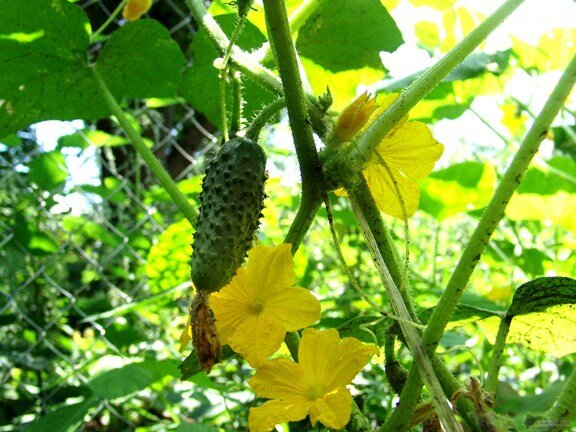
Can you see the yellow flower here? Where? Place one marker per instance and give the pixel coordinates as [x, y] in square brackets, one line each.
[134, 9]
[259, 305]
[314, 386]
[407, 154]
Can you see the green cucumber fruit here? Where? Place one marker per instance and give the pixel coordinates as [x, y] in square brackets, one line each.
[231, 205]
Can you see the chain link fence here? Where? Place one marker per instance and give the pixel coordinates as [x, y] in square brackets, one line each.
[77, 223]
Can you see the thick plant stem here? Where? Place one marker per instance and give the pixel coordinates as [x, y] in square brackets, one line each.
[411, 335]
[310, 168]
[152, 163]
[363, 200]
[496, 360]
[561, 416]
[488, 223]
[430, 79]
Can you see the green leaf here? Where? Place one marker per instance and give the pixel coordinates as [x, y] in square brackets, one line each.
[542, 315]
[479, 63]
[132, 378]
[565, 140]
[48, 170]
[542, 293]
[560, 176]
[342, 35]
[65, 419]
[508, 400]
[86, 137]
[200, 84]
[44, 63]
[141, 60]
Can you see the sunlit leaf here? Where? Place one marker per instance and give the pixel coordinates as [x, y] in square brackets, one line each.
[343, 85]
[458, 22]
[558, 208]
[168, 262]
[543, 316]
[461, 187]
[328, 41]
[513, 119]
[554, 50]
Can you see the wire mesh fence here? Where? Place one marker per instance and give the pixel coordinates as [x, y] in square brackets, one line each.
[74, 287]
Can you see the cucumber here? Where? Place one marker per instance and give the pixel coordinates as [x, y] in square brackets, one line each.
[231, 205]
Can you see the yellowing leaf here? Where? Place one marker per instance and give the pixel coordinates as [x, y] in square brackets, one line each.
[428, 33]
[513, 119]
[553, 52]
[343, 84]
[457, 24]
[559, 208]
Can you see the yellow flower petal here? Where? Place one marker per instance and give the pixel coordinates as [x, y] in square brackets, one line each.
[333, 410]
[280, 378]
[354, 117]
[296, 308]
[329, 362]
[411, 149]
[254, 311]
[272, 268]
[257, 338]
[134, 9]
[271, 413]
[384, 192]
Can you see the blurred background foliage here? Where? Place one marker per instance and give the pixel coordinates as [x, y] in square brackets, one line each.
[94, 281]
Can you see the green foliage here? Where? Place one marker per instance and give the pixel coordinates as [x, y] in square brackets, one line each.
[95, 276]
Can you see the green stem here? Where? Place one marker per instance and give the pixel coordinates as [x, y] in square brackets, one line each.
[238, 57]
[310, 168]
[153, 164]
[111, 18]
[362, 198]
[488, 222]
[496, 360]
[253, 131]
[561, 416]
[430, 79]
[411, 335]
[296, 20]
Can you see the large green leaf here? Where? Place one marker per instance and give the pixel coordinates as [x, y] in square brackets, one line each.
[200, 84]
[542, 315]
[45, 71]
[141, 60]
[124, 381]
[43, 64]
[559, 175]
[65, 419]
[343, 35]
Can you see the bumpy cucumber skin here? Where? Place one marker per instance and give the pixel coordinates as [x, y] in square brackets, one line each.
[231, 205]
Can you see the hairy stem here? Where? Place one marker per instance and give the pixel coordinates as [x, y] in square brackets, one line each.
[310, 168]
[411, 335]
[496, 360]
[151, 161]
[263, 117]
